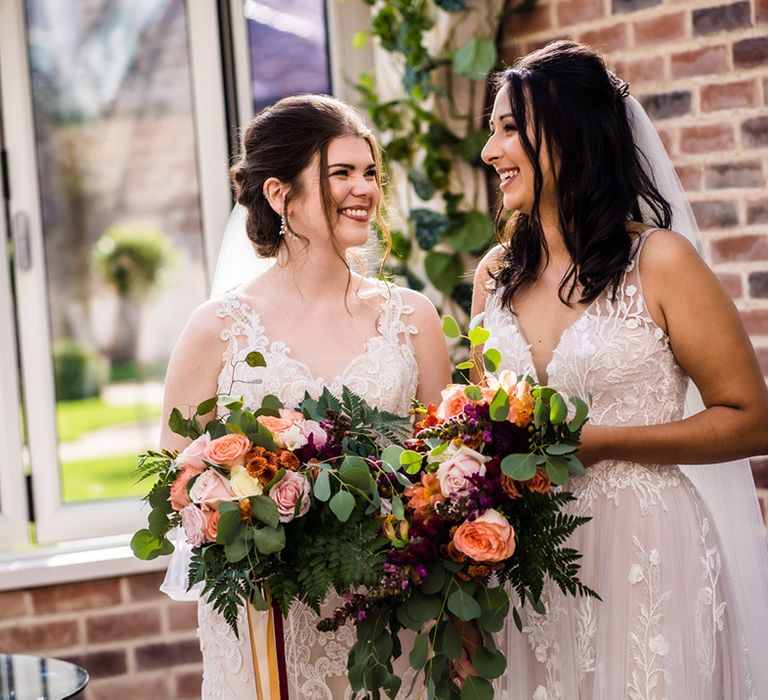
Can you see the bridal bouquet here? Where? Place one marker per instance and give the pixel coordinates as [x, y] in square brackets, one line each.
[482, 514]
[275, 503]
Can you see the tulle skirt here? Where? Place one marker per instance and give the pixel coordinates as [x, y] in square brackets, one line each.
[666, 627]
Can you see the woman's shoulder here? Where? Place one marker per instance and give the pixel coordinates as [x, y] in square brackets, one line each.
[416, 304]
[663, 250]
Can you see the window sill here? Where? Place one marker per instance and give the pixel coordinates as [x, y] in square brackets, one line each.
[73, 561]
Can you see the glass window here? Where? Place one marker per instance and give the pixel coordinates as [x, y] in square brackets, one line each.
[288, 48]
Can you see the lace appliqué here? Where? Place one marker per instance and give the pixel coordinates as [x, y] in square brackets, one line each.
[710, 612]
[649, 646]
[540, 631]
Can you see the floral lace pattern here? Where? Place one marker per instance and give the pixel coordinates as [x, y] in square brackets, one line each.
[664, 627]
[386, 375]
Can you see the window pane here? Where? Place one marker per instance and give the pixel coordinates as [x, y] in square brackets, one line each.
[288, 48]
[122, 222]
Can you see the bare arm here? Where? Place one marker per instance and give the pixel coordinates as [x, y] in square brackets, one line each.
[192, 370]
[480, 291]
[710, 343]
[429, 347]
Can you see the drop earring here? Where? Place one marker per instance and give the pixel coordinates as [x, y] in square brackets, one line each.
[283, 226]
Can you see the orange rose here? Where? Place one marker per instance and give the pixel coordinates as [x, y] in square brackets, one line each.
[509, 486]
[179, 495]
[275, 425]
[228, 450]
[487, 538]
[540, 482]
[453, 401]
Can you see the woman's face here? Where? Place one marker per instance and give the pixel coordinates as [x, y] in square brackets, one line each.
[506, 154]
[354, 188]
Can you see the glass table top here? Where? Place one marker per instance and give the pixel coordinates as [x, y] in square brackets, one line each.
[39, 678]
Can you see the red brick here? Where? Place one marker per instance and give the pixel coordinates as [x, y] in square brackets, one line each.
[733, 284]
[539, 19]
[723, 176]
[765, 90]
[739, 248]
[761, 10]
[157, 656]
[188, 685]
[130, 688]
[711, 59]
[728, 96]
[101, 664]
[721, 18]
[705, 139]
[754, 132]
[715, 214]
[758, 285]
[760, 464]
[76, 596]
[36, 637]
[757, 212]
[642, 70]
[690, 176]
[572, 12]
[667, 139]
[751, 53]
[183, 616]
[755, 321]
[607, 38]
[13, 604]
[132, 624]
[660, 29]
[146, 586]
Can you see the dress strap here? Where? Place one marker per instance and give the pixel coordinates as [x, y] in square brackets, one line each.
[391, 324]
[244, 322]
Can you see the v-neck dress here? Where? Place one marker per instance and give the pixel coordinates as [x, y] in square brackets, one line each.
[666, 627]
[386, 375]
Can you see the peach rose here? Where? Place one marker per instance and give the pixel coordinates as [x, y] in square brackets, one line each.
[209, 489]
[291, 489]
[489, 537]
[453, 474]
[193, 522]
[453, 401]
[194, 453]
[179, 497]
[228, 450]
[287, 429]
[211, 520]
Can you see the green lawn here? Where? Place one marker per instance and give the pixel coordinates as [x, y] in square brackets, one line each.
[75, 418]
[103, 477]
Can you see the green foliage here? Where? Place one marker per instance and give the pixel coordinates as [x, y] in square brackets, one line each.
[131, 258]
[79, 370]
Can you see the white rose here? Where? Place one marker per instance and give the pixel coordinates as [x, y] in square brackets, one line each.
[243, 484]
[454, 473]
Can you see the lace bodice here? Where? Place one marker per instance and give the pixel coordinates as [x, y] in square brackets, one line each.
[385, 373]
[614, 353]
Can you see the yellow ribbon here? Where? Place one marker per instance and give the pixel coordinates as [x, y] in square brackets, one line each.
[272, 671]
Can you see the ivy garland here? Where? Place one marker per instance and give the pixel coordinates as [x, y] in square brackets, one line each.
[444, 232]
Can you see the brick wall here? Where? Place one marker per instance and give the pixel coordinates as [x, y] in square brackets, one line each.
[133, 640]
[700, 68]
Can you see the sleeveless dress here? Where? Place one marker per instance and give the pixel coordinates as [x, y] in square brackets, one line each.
[666, 626]
[386, 375]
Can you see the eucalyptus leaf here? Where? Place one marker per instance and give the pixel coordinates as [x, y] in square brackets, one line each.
[322, 487]
[450, 640]
[158, 522]
[423, 607]
[478, 335]
[463, 605]
[269, 540]
[580, 415]
[237, 549]
[206, 406]
[147, 547]
[557, 470]
[468, 364]
[264, 509]
[519, 466]
[499, 408]
[491, 359]
[476, 58]
[255, 359]
[558, 411]
[228, 527]
[561, 448]
[411, 461]
[450, 327]
[473, 392]
[489, 664]
[397, 507]
[391, 455]
[419, 652]
[475, 688]
[342, 504]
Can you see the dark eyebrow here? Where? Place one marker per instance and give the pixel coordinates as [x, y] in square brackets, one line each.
[349, 166]
[502, 116]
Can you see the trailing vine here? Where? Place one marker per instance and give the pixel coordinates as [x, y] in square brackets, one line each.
[432, 131]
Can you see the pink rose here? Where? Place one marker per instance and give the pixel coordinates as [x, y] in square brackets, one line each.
[179, 497]
[489, 537]
[454, 473]
[193, 522]
[194, 453]
[313, 428]
[209, 489]
[228, 450]
[211, 519]
[291, 489]
[291, 416]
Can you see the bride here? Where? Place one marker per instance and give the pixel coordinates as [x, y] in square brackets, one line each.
[309, 180]
[590, 291]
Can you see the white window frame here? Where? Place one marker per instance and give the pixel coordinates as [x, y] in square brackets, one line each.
[55, 520]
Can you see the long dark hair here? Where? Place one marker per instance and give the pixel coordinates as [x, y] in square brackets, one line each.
[566, 96]
[280, 142]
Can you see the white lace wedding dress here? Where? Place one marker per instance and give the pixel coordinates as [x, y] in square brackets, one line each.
[386, 375]
[665, 628]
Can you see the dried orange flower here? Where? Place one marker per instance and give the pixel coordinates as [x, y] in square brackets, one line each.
[509, 486]
[288, 460]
